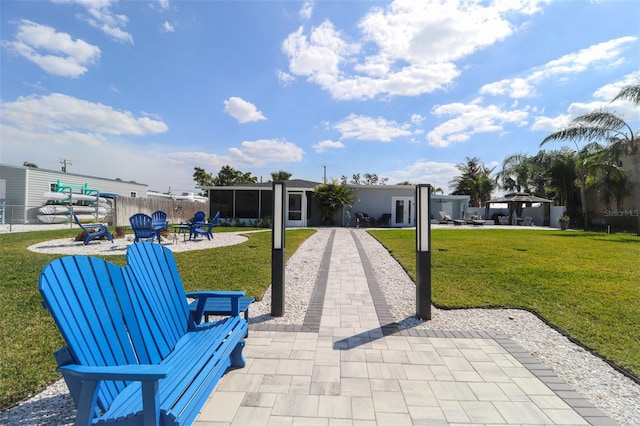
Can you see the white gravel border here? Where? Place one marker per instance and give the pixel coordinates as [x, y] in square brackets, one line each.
[175, 242]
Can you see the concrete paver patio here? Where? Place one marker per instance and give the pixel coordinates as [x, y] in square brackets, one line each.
[350, 365]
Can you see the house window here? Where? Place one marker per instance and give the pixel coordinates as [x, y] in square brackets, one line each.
[133, 194]
[247, 204]
[53, 186]
[266, 204]
[222, 201]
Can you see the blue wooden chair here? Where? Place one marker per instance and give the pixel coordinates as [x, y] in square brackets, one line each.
[142, 226]
[93, 230]
[159, 219]
[202, 227]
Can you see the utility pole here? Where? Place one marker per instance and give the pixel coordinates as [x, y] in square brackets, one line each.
[324, 179]
[64, 163]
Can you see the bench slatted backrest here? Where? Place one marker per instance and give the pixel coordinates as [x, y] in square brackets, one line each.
[89, 300]
[156, 272]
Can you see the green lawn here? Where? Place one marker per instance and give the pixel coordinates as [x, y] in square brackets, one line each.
[28, 336]
[586, 284]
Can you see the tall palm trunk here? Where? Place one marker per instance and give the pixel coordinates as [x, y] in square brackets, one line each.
[583, 199]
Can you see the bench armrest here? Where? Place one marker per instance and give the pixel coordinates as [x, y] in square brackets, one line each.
[91, 376]
[202, 297]
[130, 372]
[216, 293]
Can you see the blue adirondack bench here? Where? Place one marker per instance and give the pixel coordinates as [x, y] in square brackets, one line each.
[93, 230]
[134, 354]
[142, 226]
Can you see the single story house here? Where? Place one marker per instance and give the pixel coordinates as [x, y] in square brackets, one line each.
[394, 204]
[252, 203]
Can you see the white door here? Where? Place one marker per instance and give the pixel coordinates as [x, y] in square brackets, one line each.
[296, 209]
[402, 211]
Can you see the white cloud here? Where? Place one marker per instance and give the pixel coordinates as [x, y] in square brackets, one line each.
[471, 119]
[167, 27]
[101, 17]
[417, 118]
[242, 110]
[98, 139]
[407, 49]
[95, 154]
[55, 117]
[319, 55]
[266, 151]
[306, 11]
[327, 145]
[371, 129]
[422, 171]
[250, 153]
[515, 88]
[548, 124]
[625, 109]
[284, 77]
[606, 54]
[56, 53]
[601, 100]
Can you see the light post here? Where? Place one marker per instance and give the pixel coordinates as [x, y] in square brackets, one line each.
[277, 250]
[423, 252]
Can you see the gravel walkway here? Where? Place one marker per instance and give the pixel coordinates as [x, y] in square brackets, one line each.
[615, 394]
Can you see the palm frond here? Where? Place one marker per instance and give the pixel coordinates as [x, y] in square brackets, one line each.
[596, 125]
[599, 118]
[576, 133]
[629, 93]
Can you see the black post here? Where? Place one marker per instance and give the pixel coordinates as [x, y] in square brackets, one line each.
[423, 252]
[277, 249]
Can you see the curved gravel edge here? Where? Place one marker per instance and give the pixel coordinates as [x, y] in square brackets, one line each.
[175, 243]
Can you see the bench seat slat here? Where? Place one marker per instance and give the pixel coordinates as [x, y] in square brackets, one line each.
[186, 380]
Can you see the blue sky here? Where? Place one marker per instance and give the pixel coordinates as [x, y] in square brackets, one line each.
[147, 90]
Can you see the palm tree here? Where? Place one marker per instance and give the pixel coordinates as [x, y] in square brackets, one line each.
[280, 175]
[612, 184]
[561, 178]
[603, 125]
[516, 173]
[475, 180]
[331, 197]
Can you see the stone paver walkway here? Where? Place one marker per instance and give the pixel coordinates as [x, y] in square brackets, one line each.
[348, 364]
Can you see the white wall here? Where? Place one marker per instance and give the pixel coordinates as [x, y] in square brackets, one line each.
[556, 212]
